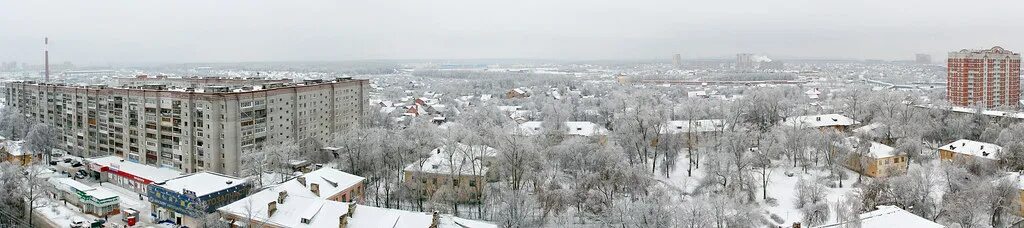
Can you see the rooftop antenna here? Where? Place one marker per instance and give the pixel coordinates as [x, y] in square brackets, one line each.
[46, 55]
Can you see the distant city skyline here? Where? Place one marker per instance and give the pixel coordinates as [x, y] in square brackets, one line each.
[91, 33]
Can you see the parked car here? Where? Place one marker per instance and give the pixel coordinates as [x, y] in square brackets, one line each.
[77, 224]
[98, 223]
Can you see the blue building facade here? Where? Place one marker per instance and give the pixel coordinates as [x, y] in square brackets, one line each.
[185, 207]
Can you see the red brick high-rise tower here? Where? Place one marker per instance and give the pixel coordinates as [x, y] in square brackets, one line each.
[987, 78]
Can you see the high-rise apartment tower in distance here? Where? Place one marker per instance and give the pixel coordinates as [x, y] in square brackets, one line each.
[923, 59]
[986, 78]
[745, 61]
[677, 60]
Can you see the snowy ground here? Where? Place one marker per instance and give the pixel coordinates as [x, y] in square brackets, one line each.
[782, 189]
[61, 215]
[679, 181]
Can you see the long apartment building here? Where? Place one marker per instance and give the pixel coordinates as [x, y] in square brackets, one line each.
[195, 82]
[986, 78]
[191, 129]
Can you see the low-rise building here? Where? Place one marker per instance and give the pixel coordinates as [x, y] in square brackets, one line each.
[16, 152]
[576, 128]
[874, 132]
[463, 167]
[328, 183]
[878, 160]
[518, 93]
[694, 126]
[963, 151]
[93, 201]
[693, 131]
[887, 216]
[127, 174]
[187, 200]
[824, 122]
[279, 207]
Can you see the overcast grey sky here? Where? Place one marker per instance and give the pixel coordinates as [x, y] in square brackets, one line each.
[98, 32]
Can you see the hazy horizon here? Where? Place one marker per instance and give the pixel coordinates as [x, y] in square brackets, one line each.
[114, 32]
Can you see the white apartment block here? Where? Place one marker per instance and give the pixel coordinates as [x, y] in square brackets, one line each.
[191, 129]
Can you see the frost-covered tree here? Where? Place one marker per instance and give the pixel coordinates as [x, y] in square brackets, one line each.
[269, 159]
[43, 138]
[652, 210]
[638, 128]
[13, 124]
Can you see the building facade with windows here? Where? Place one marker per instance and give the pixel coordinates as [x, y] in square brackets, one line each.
[986, 78]
[190, 129]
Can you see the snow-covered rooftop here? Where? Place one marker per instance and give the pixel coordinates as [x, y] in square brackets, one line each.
[892, 216]
[69, 185]
[319, 212]
[509, 108]
[16, 148]
[819, 121]
[151, 173]
[699, 93]
[813, 93]
[870, 130]
[580, 128]
[877, 150]
[202, 183]
[974, 148]
[330, 181]
[686, 126]
[464, 160]
[993, 113]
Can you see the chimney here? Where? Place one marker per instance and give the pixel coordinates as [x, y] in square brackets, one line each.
[351, 209]
[281, 196]
[271, 208]
[817, 118]
[302, 181]
[315, 188]
[46, 56]
[343, 221]
[434, 220]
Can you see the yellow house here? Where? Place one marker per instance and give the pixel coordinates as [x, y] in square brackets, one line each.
[460, 166]
[1020, 201]
[15, 152]
[878, 160]
[969, 151]
[1018, 180]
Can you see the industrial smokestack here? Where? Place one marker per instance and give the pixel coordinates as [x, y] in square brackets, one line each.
[46, 56]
